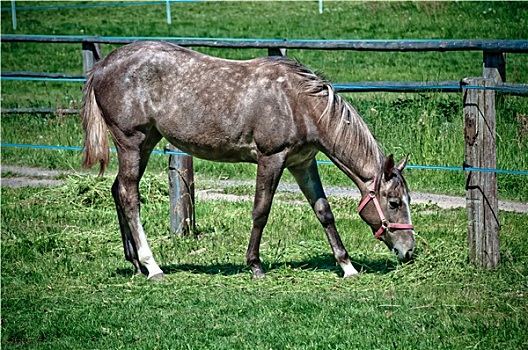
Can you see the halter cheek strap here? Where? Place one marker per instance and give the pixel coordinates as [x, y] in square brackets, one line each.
[385, 224]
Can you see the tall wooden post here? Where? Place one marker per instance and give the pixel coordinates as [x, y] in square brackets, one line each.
[91, 53]
[481, 187]
[277, 52]
[181, 193]
[494, 66]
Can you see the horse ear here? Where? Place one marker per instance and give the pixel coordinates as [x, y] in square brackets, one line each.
[401, 165]
[388, 167]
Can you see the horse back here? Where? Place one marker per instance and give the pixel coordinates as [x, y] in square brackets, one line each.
[211, 107]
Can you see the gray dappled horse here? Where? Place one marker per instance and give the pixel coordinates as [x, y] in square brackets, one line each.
[270, 111]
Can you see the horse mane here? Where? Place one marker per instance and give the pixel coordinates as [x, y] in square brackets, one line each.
[351, 133]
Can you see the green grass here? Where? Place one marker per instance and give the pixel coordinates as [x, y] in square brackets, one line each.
[66, 285]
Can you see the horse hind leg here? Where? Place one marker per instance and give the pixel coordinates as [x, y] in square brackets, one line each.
[129, 245]
[132, 163]
[307, 176]
[269, 171]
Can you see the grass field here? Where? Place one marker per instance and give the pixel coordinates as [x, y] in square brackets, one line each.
[66, 285]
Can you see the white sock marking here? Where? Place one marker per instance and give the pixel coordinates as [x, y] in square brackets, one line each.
[145, 254]
[348, 269]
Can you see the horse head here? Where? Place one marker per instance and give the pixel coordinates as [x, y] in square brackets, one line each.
[386, 209]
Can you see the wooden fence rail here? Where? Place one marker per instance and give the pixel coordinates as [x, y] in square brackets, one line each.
[494, 60]
[479, 115]
[491, 46]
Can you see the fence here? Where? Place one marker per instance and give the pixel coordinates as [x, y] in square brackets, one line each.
[479, 114]
[494, 63]
[166, 3]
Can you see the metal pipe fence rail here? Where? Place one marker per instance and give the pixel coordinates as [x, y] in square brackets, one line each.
[368, 86]
[362, 86]
[167, 151]
[479, 114]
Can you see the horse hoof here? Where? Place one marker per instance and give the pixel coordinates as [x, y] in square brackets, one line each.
[351, 276]
[156, 277]
[258, 276]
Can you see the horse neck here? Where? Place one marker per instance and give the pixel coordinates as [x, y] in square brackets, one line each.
[348, 142]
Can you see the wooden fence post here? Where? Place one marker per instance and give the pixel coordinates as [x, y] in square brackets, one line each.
[481, 187]
[494, 66]
[91, 53]
[277, 52]
[181, 193]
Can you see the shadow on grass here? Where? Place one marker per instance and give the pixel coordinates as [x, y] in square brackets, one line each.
[320, 263]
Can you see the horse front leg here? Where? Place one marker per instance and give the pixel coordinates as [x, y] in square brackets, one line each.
[269, 171]
[307, 176]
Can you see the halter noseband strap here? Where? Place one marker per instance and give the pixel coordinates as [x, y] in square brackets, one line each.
[385, 224]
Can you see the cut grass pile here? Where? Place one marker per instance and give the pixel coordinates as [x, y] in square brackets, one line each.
[65, 283]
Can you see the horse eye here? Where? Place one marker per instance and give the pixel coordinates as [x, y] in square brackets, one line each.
[394, 203]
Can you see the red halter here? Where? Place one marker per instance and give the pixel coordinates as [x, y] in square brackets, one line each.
[384, 223]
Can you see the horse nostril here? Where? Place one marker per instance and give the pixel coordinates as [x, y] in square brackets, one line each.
[403, 257]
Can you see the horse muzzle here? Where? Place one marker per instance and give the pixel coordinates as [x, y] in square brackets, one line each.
[404, 252]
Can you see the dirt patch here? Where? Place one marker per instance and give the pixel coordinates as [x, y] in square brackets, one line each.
[34, 177]
[29, 182]
[30, 177]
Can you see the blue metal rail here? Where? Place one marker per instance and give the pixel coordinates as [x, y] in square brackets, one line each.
[324, 162]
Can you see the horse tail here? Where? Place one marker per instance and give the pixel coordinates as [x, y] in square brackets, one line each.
[96, 141]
